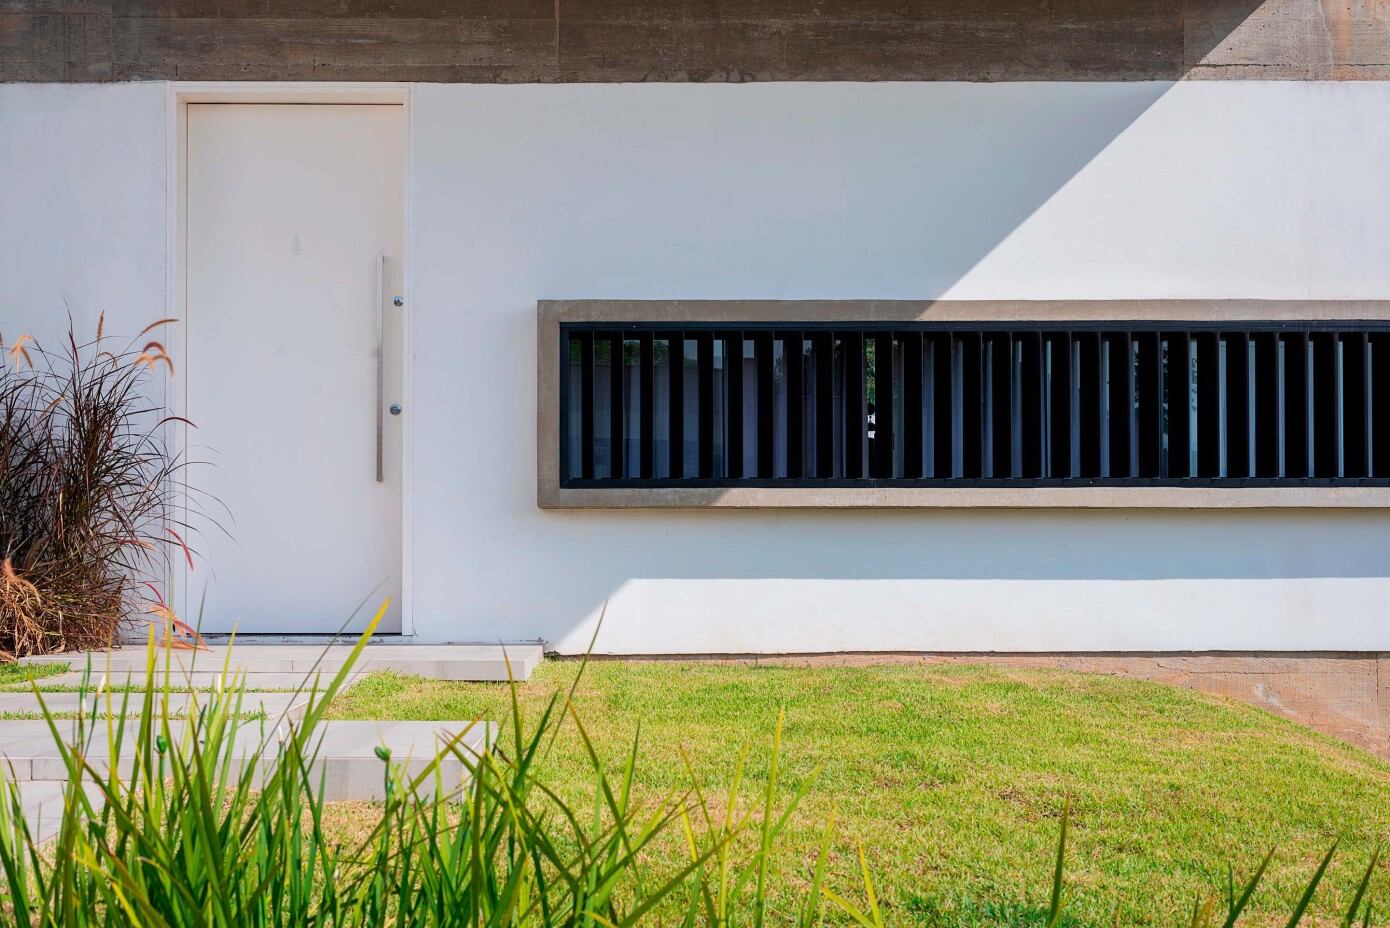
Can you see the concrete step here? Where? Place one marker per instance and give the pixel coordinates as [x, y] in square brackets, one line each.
[347, 758]
[193, 679]
[41, 803]
[435, 661]
[272, 705]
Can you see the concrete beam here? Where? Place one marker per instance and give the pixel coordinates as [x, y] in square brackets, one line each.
[539, 41]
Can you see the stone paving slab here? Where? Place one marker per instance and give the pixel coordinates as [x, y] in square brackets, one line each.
[41, 802]
[273, 705]
[436, 661]
[195, 679]
[347, 758]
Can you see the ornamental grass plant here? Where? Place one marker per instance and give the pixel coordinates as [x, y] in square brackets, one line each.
[88, 486]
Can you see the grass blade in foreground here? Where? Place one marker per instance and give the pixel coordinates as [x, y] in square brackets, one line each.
[218, 820]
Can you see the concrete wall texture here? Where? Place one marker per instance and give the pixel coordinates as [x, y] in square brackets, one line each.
[1207, 190]
[693, 40]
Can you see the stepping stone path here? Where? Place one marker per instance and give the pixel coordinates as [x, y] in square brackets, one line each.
[269, 674]
[271, 705]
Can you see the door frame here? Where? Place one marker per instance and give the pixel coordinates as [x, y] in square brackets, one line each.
[179, 94]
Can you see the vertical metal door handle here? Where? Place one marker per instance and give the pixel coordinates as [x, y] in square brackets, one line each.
[380, 362]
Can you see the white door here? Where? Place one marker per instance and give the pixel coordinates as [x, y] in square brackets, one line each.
[293, 213]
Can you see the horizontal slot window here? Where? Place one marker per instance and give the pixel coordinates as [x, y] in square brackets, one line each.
[926, 404]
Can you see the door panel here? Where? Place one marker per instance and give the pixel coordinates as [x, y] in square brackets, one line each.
[289, 207]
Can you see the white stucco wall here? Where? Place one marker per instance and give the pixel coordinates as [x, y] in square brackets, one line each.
[82, 208]
[1208, 189]
[874, 190]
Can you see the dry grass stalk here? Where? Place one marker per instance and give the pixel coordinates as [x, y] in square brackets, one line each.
[87, 486]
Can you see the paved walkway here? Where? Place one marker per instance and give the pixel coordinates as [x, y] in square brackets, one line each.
[270, 675]
[271, 705]
[294, 662]
[346, 751]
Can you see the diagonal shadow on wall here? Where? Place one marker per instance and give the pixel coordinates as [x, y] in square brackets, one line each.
[1002, 160]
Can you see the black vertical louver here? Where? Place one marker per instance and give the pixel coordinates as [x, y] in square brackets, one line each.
[804, 404]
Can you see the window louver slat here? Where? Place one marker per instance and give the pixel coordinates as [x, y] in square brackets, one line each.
[802, 404]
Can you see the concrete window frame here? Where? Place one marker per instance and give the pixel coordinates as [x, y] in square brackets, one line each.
[550, 314]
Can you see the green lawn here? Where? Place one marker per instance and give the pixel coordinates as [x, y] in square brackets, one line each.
[954, 779]
[18, 675]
